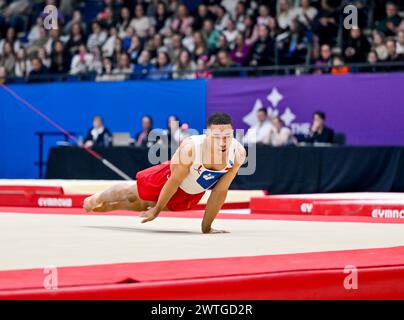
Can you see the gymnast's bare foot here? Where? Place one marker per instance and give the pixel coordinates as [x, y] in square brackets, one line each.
[90, 203]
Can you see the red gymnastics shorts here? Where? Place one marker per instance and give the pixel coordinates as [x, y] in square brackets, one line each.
[150, 182]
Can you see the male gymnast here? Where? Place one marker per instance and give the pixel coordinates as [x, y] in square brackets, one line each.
[202, 162]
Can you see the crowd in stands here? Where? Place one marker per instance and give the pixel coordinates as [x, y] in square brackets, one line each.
[267, 131]
[161, 39]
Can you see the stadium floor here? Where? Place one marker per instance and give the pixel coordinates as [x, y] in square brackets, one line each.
[263, 257]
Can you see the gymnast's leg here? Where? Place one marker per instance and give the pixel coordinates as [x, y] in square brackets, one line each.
[123, 196]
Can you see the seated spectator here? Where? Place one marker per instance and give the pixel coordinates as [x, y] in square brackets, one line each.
[59, 59]
[210, 34]
[162, 69]
[279, 135]
[98, 135]
[325, 24]
[184, 64]
[140, 23]
[142, 138]
[161, 16]
[262, 51]
[143, 67]
[202, 14]
[175, 132]
[22, 64]
[181, 21]
[37, 70]
[202, 72]
[123, 22]
[135, 49]
[356, 47]
[124, 68]
[305, 14]
[11, 38]
[3, 74]
[338, 66]
[372, 60]
[325, 60]
[389, 25]
[109, 44]
[393, 56]
[82, 61]
[241, 51]
[379, 45]
[106, 72]
[97, 37]
[76, 39]
[77, 18]
[285, 14]
[292, 45]
[240, 12]
[319, 132]
[259, 132]
[222, 17]
[400, 43]
[8, 59]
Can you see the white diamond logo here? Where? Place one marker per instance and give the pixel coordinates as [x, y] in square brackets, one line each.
[251, 118]
[288, 116]
[275, 97]
[272, 112]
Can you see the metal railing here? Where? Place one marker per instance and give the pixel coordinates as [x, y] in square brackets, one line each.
[237, 71]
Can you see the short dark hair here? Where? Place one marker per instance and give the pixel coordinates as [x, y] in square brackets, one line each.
[321, 114]
[219, 118]
[264, 110]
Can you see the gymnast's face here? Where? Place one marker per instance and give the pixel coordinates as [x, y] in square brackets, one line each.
[219, 136]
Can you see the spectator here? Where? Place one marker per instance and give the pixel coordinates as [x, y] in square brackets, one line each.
[285, 14]
[98, 135]
[8, 59]
[140, 23]
[258, 133]
[12, 39]
[305, 14]
[356, 47]
[38, 70]
[292, 45]
[184, 64]
[262, 51]
[143, 67]
[182, 20]
[3, 74]
[379, 45]
[210, 34]
[76, 39]
[124, 68]
[319, 132]
[22, 64]
[325, 61]
[202, 15]
[77, 18]
[124, 22]
[106, 72]
[109, 44]
[372, 60]
[162, 69]
[389, 25]
[161, 16]
[59, 59]
[97, 37]
[202, 72]
[279, 135]
[325, 24]
[174, 132]
[240, 14]
[82, 61]
[240, 53]
[142, 138]
[393, 56]
[231, 33]
[338, 66]
[135, 49]
[200, 45]
[222, 18]
[400, 43]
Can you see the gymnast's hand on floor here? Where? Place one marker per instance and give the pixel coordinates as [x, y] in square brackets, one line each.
[150, 214]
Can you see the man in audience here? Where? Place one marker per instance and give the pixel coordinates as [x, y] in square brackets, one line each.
[142, 138]
[259, 132]
[319, 133]
[98, 135]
